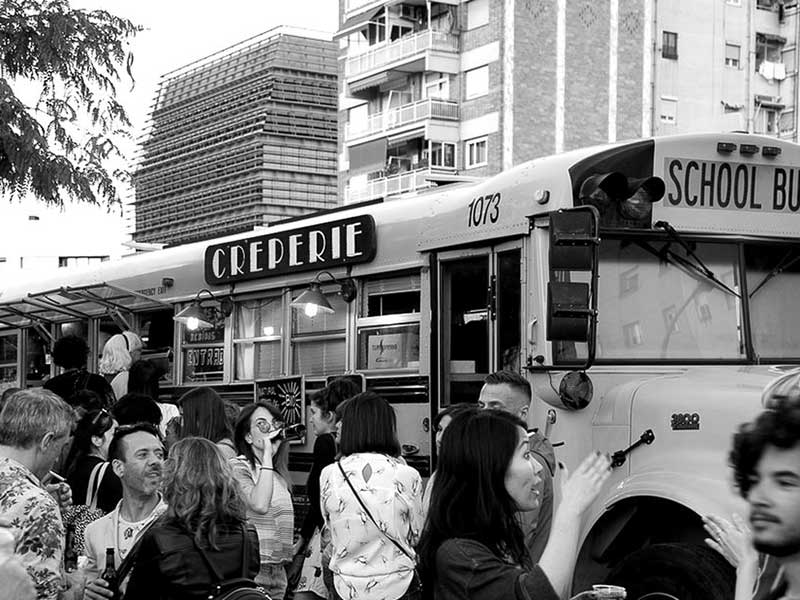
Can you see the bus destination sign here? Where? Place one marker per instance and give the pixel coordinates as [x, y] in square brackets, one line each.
[322, 246]
[695, 183]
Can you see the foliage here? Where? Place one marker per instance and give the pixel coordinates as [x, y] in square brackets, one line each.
[59, 114]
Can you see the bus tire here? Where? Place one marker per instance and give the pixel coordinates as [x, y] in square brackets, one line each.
[679, 571]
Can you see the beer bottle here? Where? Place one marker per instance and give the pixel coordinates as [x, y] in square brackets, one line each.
[70, 555]
[109, 575]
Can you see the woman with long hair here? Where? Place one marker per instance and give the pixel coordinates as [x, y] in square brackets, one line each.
[119, 353]
[472, 546]
[85, 461]
[262, 470]
[204, 416]
[313, 540]
[206, 514]
[372, 503]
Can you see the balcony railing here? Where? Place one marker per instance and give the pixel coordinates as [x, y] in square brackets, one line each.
[386, 53]
[401, 183]
[404, 115]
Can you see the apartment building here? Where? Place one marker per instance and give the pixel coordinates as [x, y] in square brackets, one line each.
[433, 92]
[239, 139]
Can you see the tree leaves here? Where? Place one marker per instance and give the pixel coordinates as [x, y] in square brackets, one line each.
[60, 143]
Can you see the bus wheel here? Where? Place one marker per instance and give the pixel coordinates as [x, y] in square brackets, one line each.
[675, 572]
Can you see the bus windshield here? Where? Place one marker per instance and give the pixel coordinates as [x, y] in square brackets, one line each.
[654, 305]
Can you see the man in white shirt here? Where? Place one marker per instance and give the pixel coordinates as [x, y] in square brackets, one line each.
[510, 392]
[137, 457]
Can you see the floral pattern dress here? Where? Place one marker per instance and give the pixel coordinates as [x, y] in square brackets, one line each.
[365, 563]
[34, 519]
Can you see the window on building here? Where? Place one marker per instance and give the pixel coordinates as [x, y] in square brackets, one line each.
[476, 82]
[669, 110]
[768, 48]
[734, 2]
[437, 86]
[732, 55]
[765, 4]
[477, 13]
[443, 154]
[628, 281]
[767, 120]
[632, 334]
[475, 152]
[669, 45]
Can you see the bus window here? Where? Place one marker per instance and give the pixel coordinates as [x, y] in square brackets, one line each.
[203, 354]
[773, 276]
[36, 353]
[508, 291]
[388, 324]
[79, 328]
[654, 308]
[258, 330]
[318, 343]
[465, 328]
[9, 347]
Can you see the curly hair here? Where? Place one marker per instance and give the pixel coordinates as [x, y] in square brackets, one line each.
[778, 427]
[117, 353]
[200, 489]
[70, 352]
[332, 395]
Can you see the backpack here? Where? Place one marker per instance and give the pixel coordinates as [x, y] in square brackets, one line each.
[238, 588]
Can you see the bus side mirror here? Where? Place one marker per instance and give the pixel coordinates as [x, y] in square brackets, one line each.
[572, 290]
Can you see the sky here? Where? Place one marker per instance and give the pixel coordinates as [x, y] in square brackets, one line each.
[176, 33]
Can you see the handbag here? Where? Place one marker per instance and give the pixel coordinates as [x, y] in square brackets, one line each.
[80, 515]
[237, 588]
[417, 579]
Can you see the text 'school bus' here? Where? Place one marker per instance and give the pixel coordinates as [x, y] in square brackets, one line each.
[646, 289]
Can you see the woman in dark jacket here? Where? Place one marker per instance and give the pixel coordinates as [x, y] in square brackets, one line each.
[206, 509]
[472, 546]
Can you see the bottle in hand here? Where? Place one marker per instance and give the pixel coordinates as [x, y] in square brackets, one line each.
[109, 575]
[70, 554]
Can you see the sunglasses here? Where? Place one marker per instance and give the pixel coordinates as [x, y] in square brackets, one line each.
[97, 417]
[265, 426]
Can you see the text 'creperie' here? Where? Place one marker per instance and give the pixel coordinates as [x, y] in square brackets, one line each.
[696, 183]
[323, 246]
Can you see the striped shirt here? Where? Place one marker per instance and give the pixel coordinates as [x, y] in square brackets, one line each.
[276, 527]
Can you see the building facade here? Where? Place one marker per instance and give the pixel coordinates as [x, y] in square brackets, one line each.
[239, 139]
[438, 91]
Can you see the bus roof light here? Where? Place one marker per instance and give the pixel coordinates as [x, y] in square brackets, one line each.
[726, 147]
[748, 149]
[770, 151]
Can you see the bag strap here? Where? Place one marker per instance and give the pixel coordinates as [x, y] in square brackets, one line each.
[245, 556]
[371, 518]
[93, 487]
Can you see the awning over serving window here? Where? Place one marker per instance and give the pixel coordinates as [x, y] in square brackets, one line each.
[356, 23]
[70, 303]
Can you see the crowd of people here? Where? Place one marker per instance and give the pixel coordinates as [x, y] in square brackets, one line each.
[195, 500]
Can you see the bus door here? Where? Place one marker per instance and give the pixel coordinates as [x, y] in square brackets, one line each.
[480, 317]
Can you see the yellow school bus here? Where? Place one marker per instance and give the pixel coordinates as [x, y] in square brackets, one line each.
[644, 288]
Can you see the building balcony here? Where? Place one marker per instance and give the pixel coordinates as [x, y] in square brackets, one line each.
[382, 184]
[428, 50]
[395, 120]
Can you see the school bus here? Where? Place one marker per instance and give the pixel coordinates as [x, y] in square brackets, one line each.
[644, 288]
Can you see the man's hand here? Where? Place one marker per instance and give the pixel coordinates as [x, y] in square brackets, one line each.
[97, 589]
[61, 492]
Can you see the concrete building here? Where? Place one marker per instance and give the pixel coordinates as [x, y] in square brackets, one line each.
[436, 91]
[238, 139]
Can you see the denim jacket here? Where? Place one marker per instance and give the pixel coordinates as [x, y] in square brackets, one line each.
[466, 569]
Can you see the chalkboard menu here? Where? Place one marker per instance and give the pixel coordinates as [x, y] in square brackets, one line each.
[287, 394]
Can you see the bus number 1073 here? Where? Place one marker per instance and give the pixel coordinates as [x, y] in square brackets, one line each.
[484, 209]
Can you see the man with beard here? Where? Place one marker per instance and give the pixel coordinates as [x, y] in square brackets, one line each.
[766, 464]
[137, 457]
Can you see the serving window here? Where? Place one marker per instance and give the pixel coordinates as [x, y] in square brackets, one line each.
[9, 350]
[388, 324]
[203, 354]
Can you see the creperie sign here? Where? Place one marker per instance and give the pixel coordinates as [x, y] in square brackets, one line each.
[314, 248]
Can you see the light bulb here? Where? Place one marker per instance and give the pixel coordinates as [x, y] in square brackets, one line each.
[311, 310]
[192, 323]
[269, 330]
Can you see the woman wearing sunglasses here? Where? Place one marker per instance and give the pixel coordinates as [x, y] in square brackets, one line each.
[262, 470]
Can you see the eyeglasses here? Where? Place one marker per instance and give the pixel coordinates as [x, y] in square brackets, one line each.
[265, 426]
